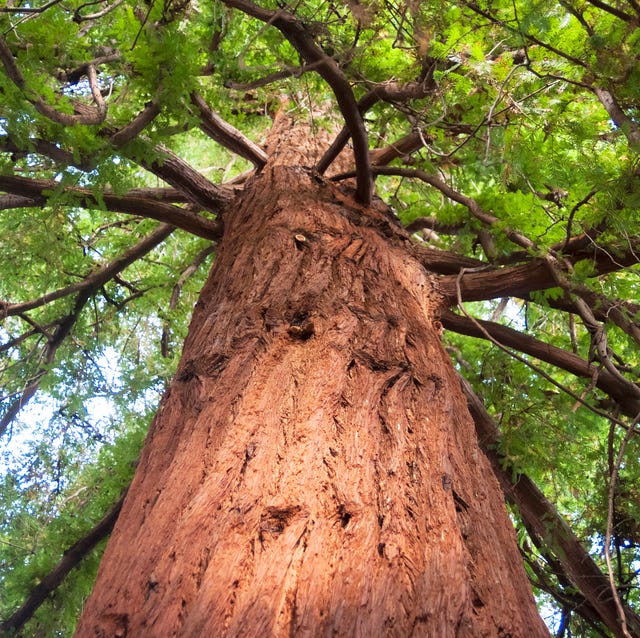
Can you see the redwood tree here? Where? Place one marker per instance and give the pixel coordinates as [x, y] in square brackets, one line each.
[394, 194]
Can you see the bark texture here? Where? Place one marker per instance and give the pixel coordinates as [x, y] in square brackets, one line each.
[313, 469]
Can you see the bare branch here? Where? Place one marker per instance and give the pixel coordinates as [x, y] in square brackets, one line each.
[8, 202]
[73, 76]
[44, 148]
[488, 282]
[101, 107]
[223, 133]
[10, 66]
[444, 263]
[158, 160]
[296, 71]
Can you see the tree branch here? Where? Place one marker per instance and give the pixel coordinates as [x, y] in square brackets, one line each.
[48, 356]
[624, 393]
[444, 263]
[84, 290]
[389, 92]
[470, 203]
[85, 115]
[44, 148]
[36, 189]
[181, 175]
[31, 10]
[619, 117]
[136, 126]
[520, 280]
[223, 133]
[177, 289]
[97, 278]
[400, 148]
[614, 11]
[70, 559]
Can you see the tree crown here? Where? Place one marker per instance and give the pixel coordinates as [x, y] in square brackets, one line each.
[505, 137]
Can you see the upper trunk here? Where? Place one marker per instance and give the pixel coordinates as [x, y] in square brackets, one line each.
[313, 469]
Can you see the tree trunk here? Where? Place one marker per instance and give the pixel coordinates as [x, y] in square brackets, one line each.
[313, 469]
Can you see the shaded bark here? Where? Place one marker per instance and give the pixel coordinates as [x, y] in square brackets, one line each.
[313, 469]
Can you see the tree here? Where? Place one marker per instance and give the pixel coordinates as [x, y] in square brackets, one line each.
[436, 178]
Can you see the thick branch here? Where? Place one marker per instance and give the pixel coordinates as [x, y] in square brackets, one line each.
[400, 148]
[136, 126]
[443, 262]
[7, 202]
[614, 11]
[625, 394]
[36, 189]
[389, 92]
[70, 559]
[44, 148]
[540, 514]
[179, 174]
[481, 283]
[514, 281]
[432, 223]
[230, 137]
[158, 160]
[329, 70]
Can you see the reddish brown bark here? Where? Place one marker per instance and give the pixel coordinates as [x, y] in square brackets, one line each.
[313, 470]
